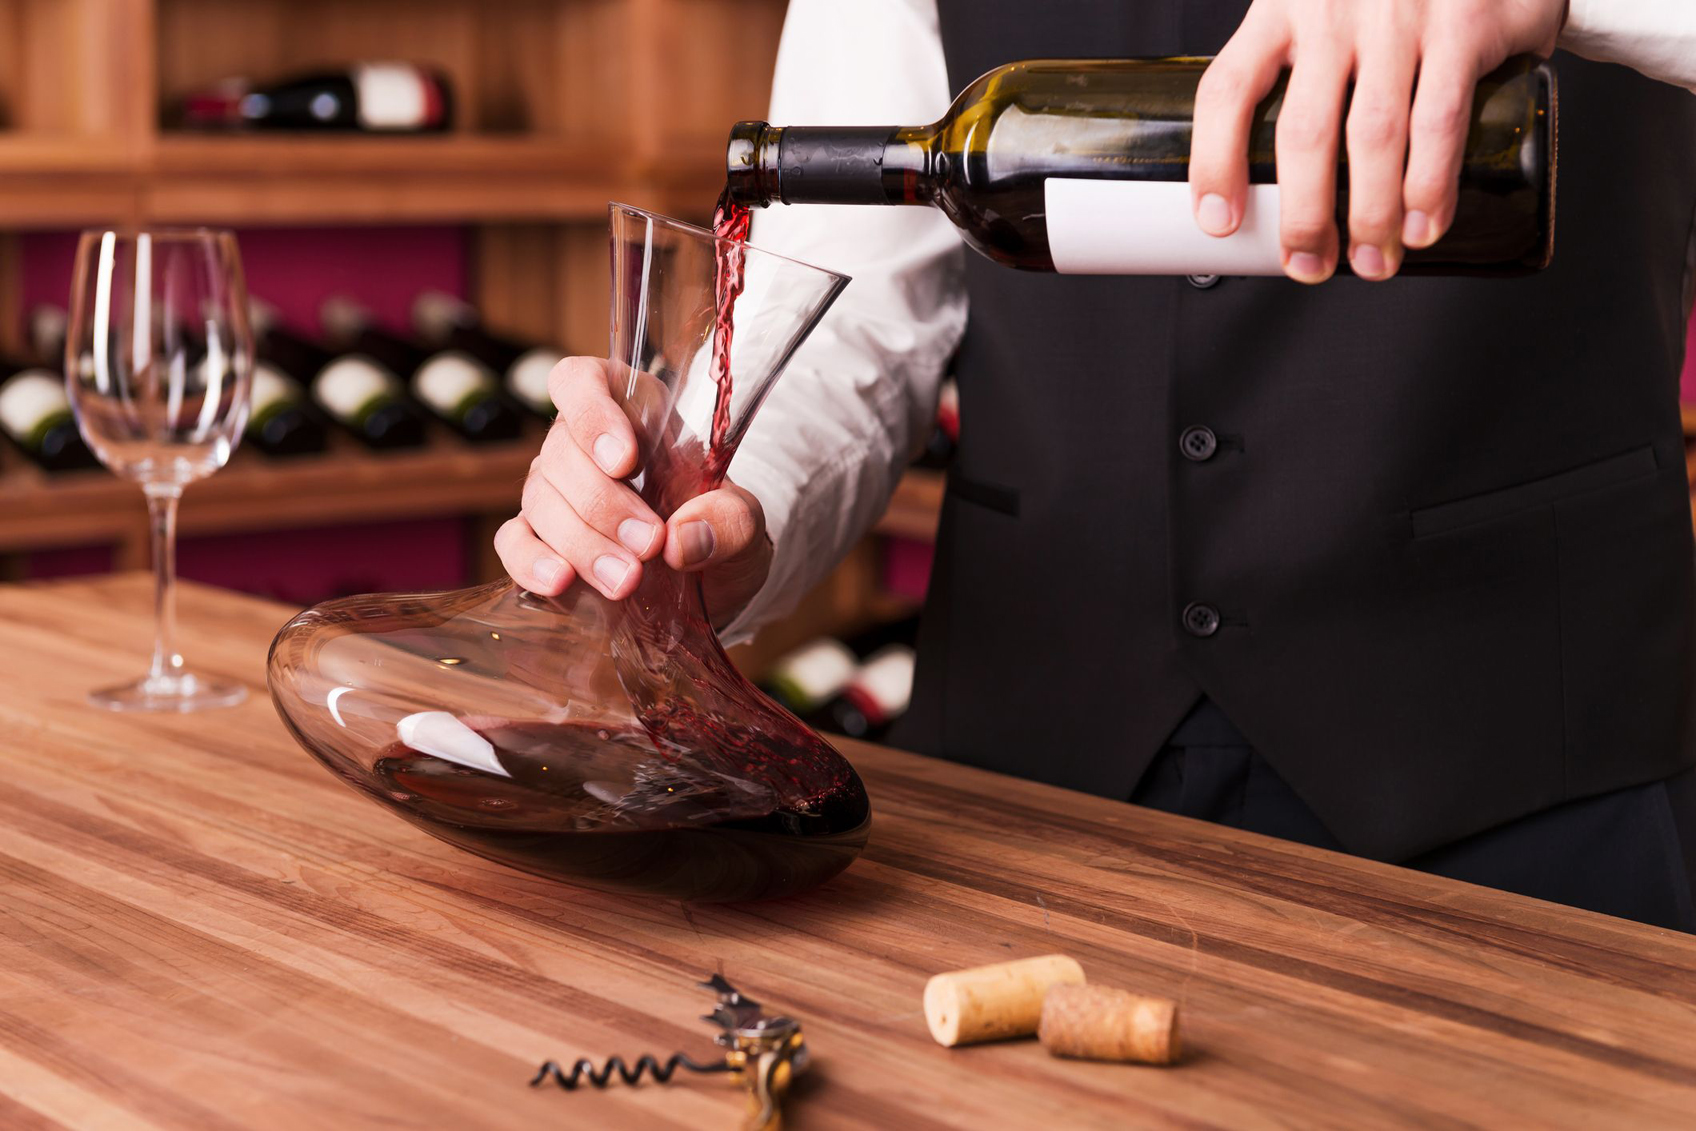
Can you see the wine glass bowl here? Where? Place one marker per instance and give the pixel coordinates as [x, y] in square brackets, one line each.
[159, 355]
[159, 365]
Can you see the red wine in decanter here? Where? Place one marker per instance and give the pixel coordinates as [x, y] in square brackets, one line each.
[591, 803]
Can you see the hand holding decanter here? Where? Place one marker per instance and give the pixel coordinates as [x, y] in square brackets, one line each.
[581, 520]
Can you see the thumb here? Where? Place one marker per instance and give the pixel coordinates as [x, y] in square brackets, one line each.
[724, 533]
[720, 528]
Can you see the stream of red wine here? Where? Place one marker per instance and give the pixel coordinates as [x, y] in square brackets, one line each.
[731, 220]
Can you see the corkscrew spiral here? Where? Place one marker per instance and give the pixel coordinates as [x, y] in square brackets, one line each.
[762, 1052]
[601, 1077]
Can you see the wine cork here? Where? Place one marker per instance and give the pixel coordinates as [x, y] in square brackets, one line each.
[1101, 1023]
[987, 1003]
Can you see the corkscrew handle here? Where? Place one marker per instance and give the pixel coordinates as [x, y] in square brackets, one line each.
[767, 1072]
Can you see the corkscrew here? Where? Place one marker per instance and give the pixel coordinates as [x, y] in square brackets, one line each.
[762, 1052]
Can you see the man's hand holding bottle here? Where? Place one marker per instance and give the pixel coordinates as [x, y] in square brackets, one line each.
[1413, 63]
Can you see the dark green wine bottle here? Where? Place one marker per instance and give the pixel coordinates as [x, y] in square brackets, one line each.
[1081, 166]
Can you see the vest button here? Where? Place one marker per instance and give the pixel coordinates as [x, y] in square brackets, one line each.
[1201, 620]
[1204, 282]
[1198, 444]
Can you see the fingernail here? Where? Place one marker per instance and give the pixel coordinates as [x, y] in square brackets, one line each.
[636, 535]
[696, 541]
[608, 452]
[1305, 265]
[1416, 228]
[548, 571]
[612, 571]
[1214, 214]
[1368, 261]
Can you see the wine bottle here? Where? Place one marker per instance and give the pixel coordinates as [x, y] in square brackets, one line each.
[811, 676]
[35, 414]
[1081, 167]
[447, 323]
[874, 698]
[385, 97]
[280, 421]
[356, 392]
[451, 383]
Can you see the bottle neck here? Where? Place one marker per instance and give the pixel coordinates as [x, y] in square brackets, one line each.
[830, 164]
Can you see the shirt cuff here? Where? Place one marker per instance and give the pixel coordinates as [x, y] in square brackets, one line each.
[1656, 37]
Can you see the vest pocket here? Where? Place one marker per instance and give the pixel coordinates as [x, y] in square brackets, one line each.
[1431, 521]
[991, 496]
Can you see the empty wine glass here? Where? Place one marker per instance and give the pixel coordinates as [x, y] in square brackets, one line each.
[158, 360]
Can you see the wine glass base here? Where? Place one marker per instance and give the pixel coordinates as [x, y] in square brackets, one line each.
[184, 692]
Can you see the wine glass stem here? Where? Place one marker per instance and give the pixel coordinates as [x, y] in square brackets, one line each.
[162, 511]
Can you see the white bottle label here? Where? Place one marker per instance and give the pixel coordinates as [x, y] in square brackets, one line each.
[1149, 228]
[29, 399]
[448, 380]
[528, 378]
[272, 388]
[392, 96]
[887, 677]
[817, 671]
[350, 383]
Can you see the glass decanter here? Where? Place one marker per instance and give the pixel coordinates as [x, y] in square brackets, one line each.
[608, 744]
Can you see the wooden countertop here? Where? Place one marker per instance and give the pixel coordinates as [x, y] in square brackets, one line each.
[200, 929]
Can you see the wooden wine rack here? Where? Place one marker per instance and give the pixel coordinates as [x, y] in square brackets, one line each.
[561, 106]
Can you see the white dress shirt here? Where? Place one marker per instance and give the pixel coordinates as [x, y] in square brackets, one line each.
[859, 398]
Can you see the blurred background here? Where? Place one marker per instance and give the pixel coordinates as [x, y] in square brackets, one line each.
[437, 173]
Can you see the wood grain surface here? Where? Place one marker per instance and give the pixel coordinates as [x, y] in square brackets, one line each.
[199, 928]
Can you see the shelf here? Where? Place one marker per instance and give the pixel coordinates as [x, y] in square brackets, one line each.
[246, 179]
[57, 181]
[347, 484]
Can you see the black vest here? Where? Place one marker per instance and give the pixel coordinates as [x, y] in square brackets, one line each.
[1444, 523]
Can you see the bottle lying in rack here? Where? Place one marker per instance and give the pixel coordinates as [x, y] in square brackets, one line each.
[857, 687]
[875, 696]
[36, 415]
[445, 322]
[383, 97]
[281, 420]
[357, 392]
[450, 383]
[811, 676]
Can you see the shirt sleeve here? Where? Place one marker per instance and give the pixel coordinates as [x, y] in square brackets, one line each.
[1656, 37]
[859, 398]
